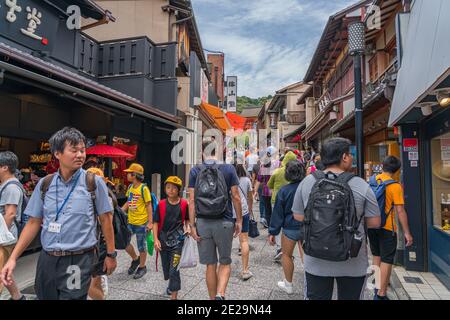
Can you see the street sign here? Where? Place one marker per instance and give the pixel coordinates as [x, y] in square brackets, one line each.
[231, 93]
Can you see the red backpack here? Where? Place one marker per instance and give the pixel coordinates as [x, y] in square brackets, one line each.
[162, 216]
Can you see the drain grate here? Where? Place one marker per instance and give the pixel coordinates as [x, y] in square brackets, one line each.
[413, 280]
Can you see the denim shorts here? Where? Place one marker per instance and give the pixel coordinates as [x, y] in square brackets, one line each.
[245, 223]
[294, 235]
[141, 236]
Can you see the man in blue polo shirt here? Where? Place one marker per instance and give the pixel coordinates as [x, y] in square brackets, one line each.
[68, 214]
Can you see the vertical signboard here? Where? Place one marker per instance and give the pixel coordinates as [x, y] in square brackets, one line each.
[231, 93]
[204, 87]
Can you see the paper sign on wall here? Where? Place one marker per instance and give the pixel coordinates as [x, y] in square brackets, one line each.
[410, 145]
[445, 149]
[413, 156]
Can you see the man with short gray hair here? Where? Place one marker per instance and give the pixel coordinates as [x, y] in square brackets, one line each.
[11, 198]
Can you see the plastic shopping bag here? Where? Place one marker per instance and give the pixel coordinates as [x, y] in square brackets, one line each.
[150, 243]
[189, 254]
[6, 237]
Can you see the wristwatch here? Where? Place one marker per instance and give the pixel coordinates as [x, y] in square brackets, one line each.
[112, 255]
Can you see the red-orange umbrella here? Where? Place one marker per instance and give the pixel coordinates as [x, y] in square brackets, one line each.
[106, 151]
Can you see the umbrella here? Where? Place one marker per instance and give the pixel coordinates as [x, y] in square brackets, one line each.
[106, 151]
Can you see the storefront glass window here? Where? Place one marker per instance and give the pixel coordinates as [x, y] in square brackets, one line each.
[440, 160]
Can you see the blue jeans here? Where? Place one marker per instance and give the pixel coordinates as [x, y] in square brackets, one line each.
[261, 203]
[141, 236]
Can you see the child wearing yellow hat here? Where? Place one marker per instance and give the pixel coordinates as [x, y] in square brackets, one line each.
[170, 221]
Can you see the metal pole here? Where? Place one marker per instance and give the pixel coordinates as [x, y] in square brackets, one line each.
[359, 131]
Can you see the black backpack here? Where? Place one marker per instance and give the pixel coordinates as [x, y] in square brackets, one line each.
[211, 193]
[23, 218]
[331, 224]
[122, 235]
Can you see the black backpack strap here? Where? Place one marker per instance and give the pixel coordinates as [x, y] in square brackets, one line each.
[319, 175]
[345, 177]
[46, 184]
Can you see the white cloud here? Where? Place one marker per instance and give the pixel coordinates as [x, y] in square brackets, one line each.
[257, 38]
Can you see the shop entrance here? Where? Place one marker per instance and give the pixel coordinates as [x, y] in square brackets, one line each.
[438, 200]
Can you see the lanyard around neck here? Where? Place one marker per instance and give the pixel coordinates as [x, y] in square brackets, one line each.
[58, 210]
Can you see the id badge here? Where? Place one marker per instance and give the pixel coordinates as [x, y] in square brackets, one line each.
[54, 227]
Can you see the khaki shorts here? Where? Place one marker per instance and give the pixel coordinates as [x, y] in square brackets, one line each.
[216, 241]
[5, 253]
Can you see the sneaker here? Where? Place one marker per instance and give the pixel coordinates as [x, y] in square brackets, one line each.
[105, 287]
[264, 223]
[283, 285]
[278, 255]
[134, 266]
[246, 275]
[140, 273]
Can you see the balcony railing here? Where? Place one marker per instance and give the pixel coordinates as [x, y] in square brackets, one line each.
[386, 79]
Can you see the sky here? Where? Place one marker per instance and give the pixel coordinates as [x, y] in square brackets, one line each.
[268, 44]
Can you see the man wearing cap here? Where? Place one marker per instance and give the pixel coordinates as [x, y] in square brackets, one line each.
[140, 221]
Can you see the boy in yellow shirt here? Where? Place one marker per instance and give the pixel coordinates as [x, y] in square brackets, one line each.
[383, 241]
[140, 221]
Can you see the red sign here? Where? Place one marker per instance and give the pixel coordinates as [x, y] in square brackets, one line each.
[410, 145]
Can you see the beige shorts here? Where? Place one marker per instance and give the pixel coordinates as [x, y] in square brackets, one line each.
[5, 253]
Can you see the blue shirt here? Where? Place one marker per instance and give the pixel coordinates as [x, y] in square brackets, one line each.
[231, 178]
[282, 216]
[77, 219]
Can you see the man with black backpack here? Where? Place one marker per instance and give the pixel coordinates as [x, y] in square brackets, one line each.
[335, 207]
[11, 208]
[66, 205]
[383, 241]
[213, 187]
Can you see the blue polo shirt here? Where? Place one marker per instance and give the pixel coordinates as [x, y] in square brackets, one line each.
[77, 219]
[231, 179]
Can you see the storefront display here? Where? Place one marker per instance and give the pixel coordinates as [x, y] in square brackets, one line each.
[440, 159]
[376, 155]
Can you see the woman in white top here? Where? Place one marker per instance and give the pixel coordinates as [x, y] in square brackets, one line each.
[246, 193]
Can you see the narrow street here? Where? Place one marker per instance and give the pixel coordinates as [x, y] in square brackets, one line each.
[263, 285]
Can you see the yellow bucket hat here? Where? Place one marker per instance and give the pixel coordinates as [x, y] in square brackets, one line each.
[174, 180]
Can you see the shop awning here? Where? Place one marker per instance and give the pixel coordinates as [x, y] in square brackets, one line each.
[236, 121]
[217, 115]
[294, 131]
[74, 86]
[426, 55]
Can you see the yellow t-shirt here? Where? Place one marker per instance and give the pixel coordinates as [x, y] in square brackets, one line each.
[394, 196]
[137, 210]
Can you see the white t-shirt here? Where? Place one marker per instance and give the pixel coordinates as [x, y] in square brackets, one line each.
[251, 160]
[245, 186]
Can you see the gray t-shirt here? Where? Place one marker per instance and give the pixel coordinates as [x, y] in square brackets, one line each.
[365, 203]
[11, 195]
[245, 186]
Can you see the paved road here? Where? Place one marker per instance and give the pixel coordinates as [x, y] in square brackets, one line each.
[263, 286]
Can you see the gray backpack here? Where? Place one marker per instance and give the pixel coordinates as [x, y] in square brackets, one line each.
[21, 220]
[211, 193]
